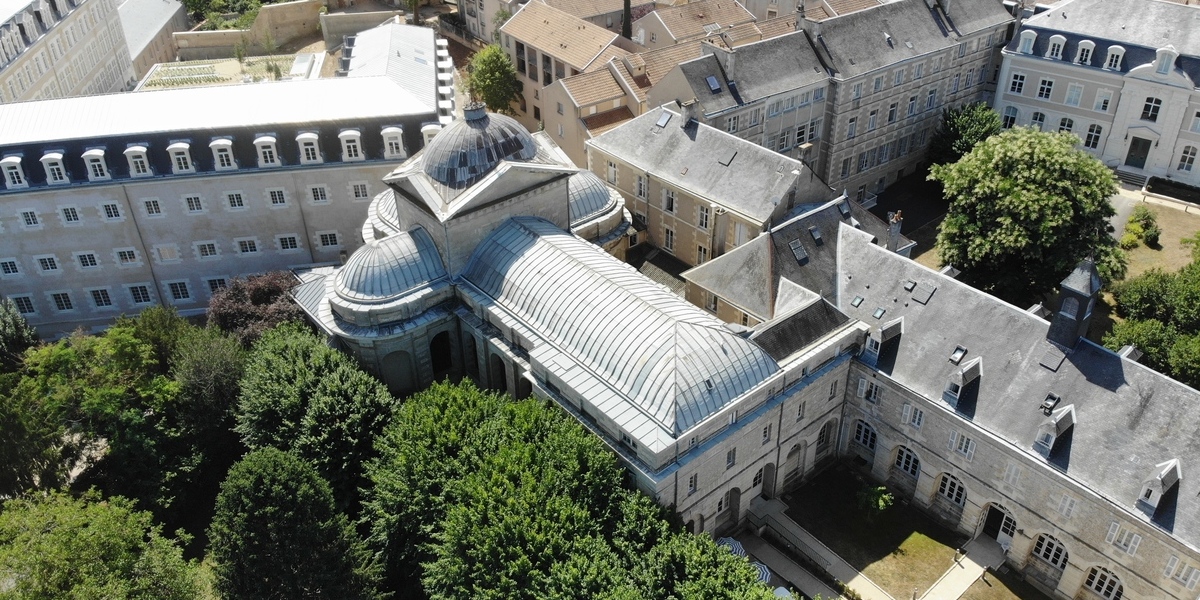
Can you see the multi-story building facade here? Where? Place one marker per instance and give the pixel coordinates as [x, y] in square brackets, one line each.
[148, 26]
[670, 25]
[113, 203]
[61, 48]
[695, 191]
[1126, 87]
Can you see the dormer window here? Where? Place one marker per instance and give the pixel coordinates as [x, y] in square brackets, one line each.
[267, 155]
[1165, 59]
[1027, 39]
[14, 175]
[1164, 477]
[429, 130]
[56, 174]
[310, 154]
[393, 142]
[181, 158]
[1055, 49]
[1052, 428]
[351, 145]
[222, 150]
[138, 165]
[97, 168]
[1115, 54]
[969, 372]
[1083, 52]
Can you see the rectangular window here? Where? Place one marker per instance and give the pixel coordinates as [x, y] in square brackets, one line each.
[833, 389]
[112, 211]
[731, 124]
[288, 242]
[194, 204]
[30, 218]
[912, 105]
[710, 302]
[1150, 109]
[857, 92]
[247, 246]
[766, 434]
[919, 71]
[1123, 538]
[360, 191]
[1018, 83]
[1182, 572]
[898, 77]
[1066, 505]
[962, 445]
[329, 239]
[87, 260]
[692, 483]
[1045, 88]
[931, 100]
[55, 172]
[351, 147]
[216, 284]
[9, 267]
[153, 208]
[277, 197]
[179, 290]
[669, 240]
[893, 111]
[206, 249]
[70, 215]
[126, 257]
[310, 152]
[668, 200]
[101, 298]
[320, 195]
[224, 158]
[1012, 474]
[62, 301]
[267, 155]
[640, 187]
[24, 304]
[1103, 98]
[612, 172]
[701, 255]
[731, 458]
[845, 167]
[48, 263]
[872, 119]
[139, 165]
[167, 253]
[234, 198]
[182, 161]
[852, 128]
[702, 221]
[140, 294]
[912, 415]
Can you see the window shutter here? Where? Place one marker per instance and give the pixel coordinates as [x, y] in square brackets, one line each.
[906, 414]
[1193, 579]
[862, 387]
[970, 450]
[953, 438]
[1133, 544]
[1171, 564]
[1112, 532]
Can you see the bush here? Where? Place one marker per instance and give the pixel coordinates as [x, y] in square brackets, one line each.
[1151, 234]
[1129, 240]
[1143, 216]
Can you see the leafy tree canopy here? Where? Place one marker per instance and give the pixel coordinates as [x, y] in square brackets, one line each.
[493, 79]
[276, 534]
[1025, 208]
[16, 336]
[56, 547]
[962, 129]
[1161, 314]
[250, 306]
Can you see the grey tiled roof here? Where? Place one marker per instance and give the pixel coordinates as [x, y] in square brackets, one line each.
[789, 334]
[1129, 418]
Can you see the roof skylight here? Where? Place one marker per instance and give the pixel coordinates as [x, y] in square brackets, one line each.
[858, 300]
[713, 86]
[799, 251]
[958, 354]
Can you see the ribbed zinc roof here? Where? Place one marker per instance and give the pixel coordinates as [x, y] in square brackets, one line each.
[674, 362]
[588, 196]
[468, 149]
[384, 270]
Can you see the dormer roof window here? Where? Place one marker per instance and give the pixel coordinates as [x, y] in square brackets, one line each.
[139, 166]
[352, 150]
[181, 158]
[1052, 428]
[1164, 477]
[393, 142]
[56, 173]
[1055, 49]
[267, 154]
[1113, 61]
[310, 152]
[222, 150]
[970, 371]
[14, 175]
[1083, 52]
[97, 168]
[1027, 38]
[1165, 59]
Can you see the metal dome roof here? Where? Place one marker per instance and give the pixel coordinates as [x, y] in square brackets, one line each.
[588, 196]
[385, 269]
[466, 150]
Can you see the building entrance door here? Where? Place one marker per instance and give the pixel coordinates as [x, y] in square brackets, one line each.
[999, 526]
[1139, 149]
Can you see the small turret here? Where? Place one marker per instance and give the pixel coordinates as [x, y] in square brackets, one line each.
[1078, 293]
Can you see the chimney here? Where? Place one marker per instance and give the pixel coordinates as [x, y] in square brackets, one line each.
[1078, 293]
[895, 220]
[691, 111]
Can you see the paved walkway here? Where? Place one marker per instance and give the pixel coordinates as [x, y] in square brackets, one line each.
[784, 567]
[982, 553]
[808, 544]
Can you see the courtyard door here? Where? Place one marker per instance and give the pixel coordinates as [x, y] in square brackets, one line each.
[999, 526]
[1139, 149]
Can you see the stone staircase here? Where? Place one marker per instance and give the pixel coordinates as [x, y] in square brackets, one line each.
[1130, 178]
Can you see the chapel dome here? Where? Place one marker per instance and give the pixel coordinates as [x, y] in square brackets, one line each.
[588, 196]
[466, 150]
[382, 270]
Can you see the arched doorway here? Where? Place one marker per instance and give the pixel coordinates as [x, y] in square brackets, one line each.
[728, 509]
[398, 373]
[793, 465]
[905, 470]
[441, 356]
[1102, 583]
[998, 524]
[826, 439]
[497, 373]
[471, 357]
[768, 481]
[524, 388]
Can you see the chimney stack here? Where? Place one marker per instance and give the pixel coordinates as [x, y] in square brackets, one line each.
[895, 220]
[690, 110]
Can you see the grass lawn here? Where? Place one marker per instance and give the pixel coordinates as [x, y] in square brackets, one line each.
[926, 237]
[899, 550]
[1002, 586]
[1170, 254]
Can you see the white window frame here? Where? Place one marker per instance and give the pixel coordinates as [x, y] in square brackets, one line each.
[139, 164]
[22, 301]
[913, 416]
[1049, 550]
[70, 216]
[1086, 45]
[56, 171]
[668, 200]
[206, 250]
[309, 141]
[181, 158]
[640, 186]
[1074, 94]
[97, 168]
[119, 255]
[1112, 60]
[167, 254]
[246, 246]
[14, 174]
[1181, 572]
[908, 462]
[111, 211]
[355, 186]
[393, 142]
[81, 261]
[1054, 49]
[730, 458]
[106, 292]
[952, 489]
[352, 147]
[7, 263]
[233, 195]
[194, 208]
[223, 148]
[1066, 505]
[60, 297]
[276, 197]
[295, 241]
[318, 194]
[1028, 37]
[962, 445]
[669, 239]
[47, 260]
[319, 238]
[215, 284]
[136, 289]
[173, 289]
[268, 151]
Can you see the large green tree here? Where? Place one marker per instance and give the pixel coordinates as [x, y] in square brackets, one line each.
[962, 129]
[492, 79]
[250, 306]
[1161, 317]
[1025, 208]
[16, 336]
[276, 534]
[57, 547]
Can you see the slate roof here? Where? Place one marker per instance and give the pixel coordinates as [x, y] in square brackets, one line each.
[856, 43]
[1108, 23]
[561, 35]
[382, 270]
[1129, 418]
[142, 20]
[787, 335]
[753, 182]
[760, 70]
[751, 275]
[688, 20]
[667, 364]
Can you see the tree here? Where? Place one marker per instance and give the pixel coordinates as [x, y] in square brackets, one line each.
[250, 306]
[961, 129]
[414, 9]
[492, 79]
[627, 20]
[16, 336]
[873, 500]
[498, 21]
[1151, 336]
[32, 449]
[276, 534]
[1025, 208]
[56, 546]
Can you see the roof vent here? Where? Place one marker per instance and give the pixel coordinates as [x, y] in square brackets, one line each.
[816, 235]
[708, 384]
[1049, 403]
[844, 208]
[909, 285]
[958, 354]
[799, 251]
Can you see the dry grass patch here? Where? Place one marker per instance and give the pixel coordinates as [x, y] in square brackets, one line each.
[1002, 586]
[1170, 254]
[926, 238]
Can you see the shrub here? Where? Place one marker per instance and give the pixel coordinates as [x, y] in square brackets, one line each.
[1129, 240]
[1151, 234]
[1143, 216]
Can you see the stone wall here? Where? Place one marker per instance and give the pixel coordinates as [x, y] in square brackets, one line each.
[281, 23]
[335, 26]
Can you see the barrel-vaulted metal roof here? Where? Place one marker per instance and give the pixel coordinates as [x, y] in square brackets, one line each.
[383, 270]
[589, 196]
[671, 360]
